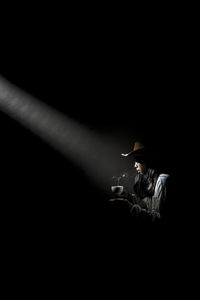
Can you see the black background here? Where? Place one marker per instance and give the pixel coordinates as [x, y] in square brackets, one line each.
[116, 80]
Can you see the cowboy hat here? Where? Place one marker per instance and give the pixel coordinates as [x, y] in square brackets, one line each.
[139, 150]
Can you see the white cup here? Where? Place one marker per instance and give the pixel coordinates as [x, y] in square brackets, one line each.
[117, 189]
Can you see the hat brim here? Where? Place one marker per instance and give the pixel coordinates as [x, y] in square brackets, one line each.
[136, 153]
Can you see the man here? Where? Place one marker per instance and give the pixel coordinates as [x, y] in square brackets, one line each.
[150, 189]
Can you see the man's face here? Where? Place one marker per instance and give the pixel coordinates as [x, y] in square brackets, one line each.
[140, 167]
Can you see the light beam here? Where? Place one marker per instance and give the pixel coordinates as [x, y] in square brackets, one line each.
[73, 140]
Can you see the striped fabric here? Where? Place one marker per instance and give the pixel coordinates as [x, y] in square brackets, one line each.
[153, 204]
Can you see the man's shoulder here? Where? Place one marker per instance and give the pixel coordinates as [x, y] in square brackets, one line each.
[163, 177]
